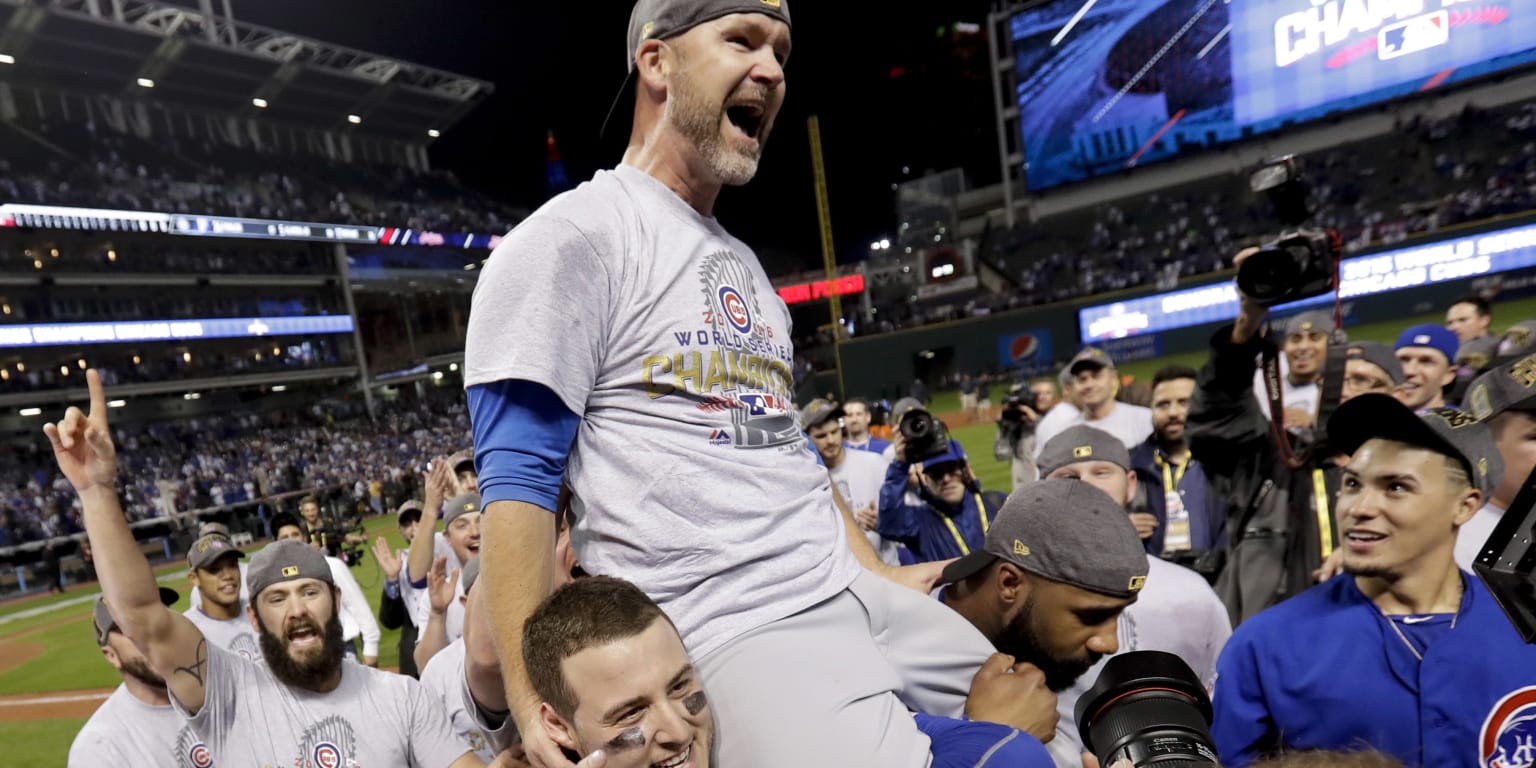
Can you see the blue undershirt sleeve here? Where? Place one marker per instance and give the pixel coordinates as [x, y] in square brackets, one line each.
[523, 436]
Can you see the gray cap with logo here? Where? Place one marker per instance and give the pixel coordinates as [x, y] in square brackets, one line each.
[102, 622]
[1066, 531]
[1082, 443]
[818, 412]
[1377, 354]
[1448, 431]
[210, 548]
[1089, 357]
[286, 560]
[662, 19]
[1509, 387]
[1316, 320]
[461, 504]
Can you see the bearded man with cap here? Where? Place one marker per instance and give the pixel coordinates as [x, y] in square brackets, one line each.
[1177, 612]
[1095, 381]
[622, 340]
[1428, 355]
[357, 619]
[136, 726]
[303, 704]
[1059, 566]
[1403, 652]
[213, 567]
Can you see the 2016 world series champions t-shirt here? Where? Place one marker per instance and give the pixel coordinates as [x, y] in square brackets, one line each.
[372, 718]
[128, 733]
[690, 473]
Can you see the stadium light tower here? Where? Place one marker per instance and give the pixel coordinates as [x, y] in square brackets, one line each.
[145, 82]
[434, 133]
[354, 119]
[6, 58]
[259, 103]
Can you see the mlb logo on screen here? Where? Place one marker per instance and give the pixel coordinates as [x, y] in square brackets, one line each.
[1414, 35]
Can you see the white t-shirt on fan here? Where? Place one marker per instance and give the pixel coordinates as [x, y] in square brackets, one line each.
[690, 474]
[1131, 423]
[858, 478]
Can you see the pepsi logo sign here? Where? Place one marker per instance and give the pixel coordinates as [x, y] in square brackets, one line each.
[1508, 738]
[1024, 347]
[734, 307]
[327, 756]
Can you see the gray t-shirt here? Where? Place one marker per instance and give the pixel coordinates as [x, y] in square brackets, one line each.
[235, 635]
[372, 718]
[690, 474]
[128, 733]
[444, 680]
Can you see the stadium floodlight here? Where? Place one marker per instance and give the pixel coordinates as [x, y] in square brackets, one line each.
[31, 411]
[354, 119]
[116, 403]
[453, 366]
[259, 103]
[6, 58]
[280, 388]
[145, 82]
[192, 396]
[434, 133]
[437, 375]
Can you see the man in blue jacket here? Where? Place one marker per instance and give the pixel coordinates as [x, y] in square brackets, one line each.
[935, 508]
[1177, 514]
[1402, 652]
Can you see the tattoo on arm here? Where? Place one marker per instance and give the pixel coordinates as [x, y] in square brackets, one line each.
[199, 667]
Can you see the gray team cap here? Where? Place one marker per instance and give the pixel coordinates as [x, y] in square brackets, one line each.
[286, 561]
[901, 407]
[207, 549]
[1448, 431]
[1518, 338]
[818, 412]
[1477, 353]
[1316, 320]
[1082, 443]
[1377, 354]
[1066, 531]
[461, 504]
[469, 573]
[102, 622]
[212, 527]
[1509, 387]
[663, 19]
[1089, 357]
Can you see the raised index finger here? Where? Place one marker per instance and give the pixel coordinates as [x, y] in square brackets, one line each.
[98, 394]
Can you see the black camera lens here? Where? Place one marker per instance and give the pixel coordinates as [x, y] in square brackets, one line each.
[1270, 275]
[1150, 708]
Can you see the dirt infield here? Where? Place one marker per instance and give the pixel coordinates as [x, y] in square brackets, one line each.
[27, 707]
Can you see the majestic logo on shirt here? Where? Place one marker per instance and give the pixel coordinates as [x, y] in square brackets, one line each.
[190, 751]
[1508, 738]
[329, 743]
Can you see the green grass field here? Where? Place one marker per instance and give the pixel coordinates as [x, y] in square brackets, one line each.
[69, 660]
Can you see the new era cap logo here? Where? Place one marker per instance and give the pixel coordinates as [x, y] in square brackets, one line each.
[290, 570]
[1082, 452]
[1137, 582]
[771, 3]
[645, 31]
[1019, 548]
[469, 507]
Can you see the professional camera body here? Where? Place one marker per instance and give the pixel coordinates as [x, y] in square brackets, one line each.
[1299, 262]
[924, 435]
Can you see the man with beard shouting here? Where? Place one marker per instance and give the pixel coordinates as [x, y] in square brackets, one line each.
[302, 705]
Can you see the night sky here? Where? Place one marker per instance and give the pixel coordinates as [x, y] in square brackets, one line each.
[557, 66]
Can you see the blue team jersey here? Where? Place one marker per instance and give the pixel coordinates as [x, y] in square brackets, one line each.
[1325, 670]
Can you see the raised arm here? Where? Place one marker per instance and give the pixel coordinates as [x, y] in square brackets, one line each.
[82, 444]
[439, 483]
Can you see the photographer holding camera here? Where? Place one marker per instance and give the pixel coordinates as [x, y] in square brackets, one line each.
[946, 515]
[1017, 421]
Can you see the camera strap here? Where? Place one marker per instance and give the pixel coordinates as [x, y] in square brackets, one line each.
[1274, 393]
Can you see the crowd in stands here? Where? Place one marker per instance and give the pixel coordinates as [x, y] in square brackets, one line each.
[91, 165]
[216, 460]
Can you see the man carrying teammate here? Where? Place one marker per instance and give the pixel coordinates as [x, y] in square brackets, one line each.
[303, 704]
[1403, 651]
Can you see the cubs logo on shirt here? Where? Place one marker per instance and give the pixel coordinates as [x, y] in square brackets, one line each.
[191, 752]
[1508, 737]
[329, 743]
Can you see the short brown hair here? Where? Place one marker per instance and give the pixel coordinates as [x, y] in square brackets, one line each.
[585, 613]
[1327, 759]
[309, 500]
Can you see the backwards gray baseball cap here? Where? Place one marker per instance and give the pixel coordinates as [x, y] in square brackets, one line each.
[1082, 443]
[1377, 354]
[461, 504]
[901, 408]
[1315, 320]
[286, 560]
[1066, 531]
[1447, 431]
[1509, 387]
[818, 412]
[210, 548]
[662, 19]
[102, 622]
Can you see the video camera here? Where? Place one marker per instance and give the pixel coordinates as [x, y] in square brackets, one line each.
[1018, 398]
[1301, 261]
